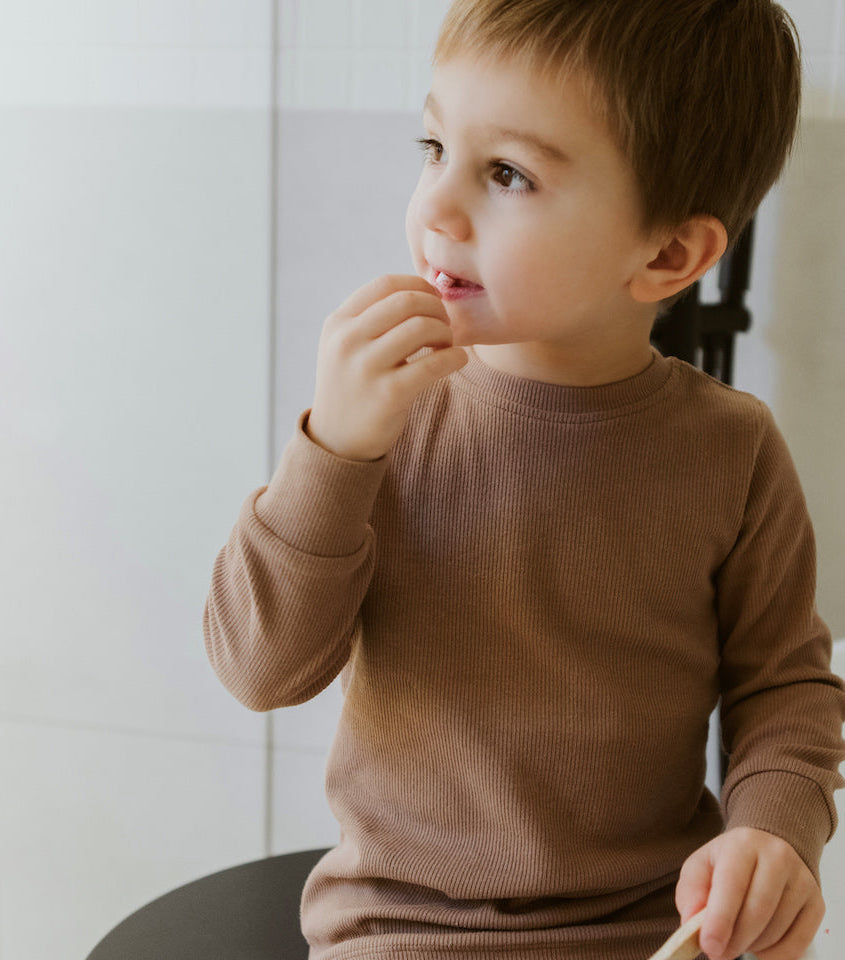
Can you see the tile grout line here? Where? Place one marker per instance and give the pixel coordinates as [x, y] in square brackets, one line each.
[110, 729]
[81, 726]
[838, 31]
[273, 317]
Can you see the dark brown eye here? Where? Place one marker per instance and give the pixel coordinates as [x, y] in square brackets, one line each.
[506, 176]
[511, 179]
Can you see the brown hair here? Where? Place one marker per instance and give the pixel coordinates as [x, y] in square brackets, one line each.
[702, 96]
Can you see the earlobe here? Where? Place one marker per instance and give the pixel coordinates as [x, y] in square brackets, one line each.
[683, 258]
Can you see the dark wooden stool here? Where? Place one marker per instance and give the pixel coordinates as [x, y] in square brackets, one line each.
[249, 912]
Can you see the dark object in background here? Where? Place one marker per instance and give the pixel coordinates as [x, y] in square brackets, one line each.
[703, 333]
[248, 912]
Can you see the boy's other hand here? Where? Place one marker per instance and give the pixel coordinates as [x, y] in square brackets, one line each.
[759, 894]
[365, 385]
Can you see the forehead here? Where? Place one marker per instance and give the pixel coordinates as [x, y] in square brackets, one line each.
[488, 96]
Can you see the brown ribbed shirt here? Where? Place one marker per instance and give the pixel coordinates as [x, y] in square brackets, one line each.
[536, 601]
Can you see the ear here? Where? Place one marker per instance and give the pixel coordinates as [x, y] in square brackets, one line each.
[685, 255]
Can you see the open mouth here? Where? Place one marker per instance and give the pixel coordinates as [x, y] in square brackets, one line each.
[453, 288]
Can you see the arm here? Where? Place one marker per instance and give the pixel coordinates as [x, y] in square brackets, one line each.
[282, 612]
[782, 715]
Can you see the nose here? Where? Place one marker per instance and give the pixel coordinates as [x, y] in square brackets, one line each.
[442, 207]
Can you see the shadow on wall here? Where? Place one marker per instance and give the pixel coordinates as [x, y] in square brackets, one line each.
[807, 336]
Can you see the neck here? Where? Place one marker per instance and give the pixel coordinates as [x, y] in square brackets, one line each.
[552, 364]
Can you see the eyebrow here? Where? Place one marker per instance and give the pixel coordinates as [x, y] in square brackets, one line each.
[511, 134]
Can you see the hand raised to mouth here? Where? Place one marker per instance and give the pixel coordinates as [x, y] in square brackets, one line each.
[365, 384]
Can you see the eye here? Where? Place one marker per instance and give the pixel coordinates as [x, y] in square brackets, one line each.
[432, 149]
[511, 179]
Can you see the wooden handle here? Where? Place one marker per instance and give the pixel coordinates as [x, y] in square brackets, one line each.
[683, 944]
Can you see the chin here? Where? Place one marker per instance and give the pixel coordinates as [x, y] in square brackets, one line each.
[465, 332]
[466, 335]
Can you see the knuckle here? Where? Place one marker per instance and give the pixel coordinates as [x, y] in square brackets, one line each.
[330, 324]
[792, 947]
[786, 852]
[343, 342]
[417, 325]
[405, 302]
[387, 392]
[384, 285]
[339, 334]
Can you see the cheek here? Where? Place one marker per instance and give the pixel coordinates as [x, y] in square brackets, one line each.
[414, 233]
[531, 262]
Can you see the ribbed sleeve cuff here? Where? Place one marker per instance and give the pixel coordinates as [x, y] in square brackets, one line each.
[789, 805]
[317, 502]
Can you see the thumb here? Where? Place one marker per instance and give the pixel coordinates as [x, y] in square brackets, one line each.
[694, 882]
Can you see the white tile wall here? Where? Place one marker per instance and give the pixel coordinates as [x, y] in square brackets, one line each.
[201, 53]
[133, 357]
[335, 54]
[359, 32]
[95, 823]
[135, 263]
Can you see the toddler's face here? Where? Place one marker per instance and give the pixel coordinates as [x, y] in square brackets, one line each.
[526, 215]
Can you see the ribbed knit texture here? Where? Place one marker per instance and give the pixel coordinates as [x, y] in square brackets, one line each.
[537, 600]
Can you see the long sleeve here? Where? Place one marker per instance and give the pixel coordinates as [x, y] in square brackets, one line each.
[778, 694]
[282, 609]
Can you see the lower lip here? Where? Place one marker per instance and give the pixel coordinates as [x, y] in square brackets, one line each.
[450, 294]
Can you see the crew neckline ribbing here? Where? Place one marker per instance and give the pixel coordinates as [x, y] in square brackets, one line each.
[521, 394]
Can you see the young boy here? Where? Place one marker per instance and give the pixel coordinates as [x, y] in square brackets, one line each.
[539, 551]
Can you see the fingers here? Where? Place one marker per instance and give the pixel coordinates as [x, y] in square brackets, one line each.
[422, 373]
[398, 316]
[376, 320]
[693, 886]
[759, 896]
[791, 905]
[392, 349]
[365, 387]
[386, 335]
[381, 288]
[798, 938]
[731, 906]
[783, 906]
[396, 325]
